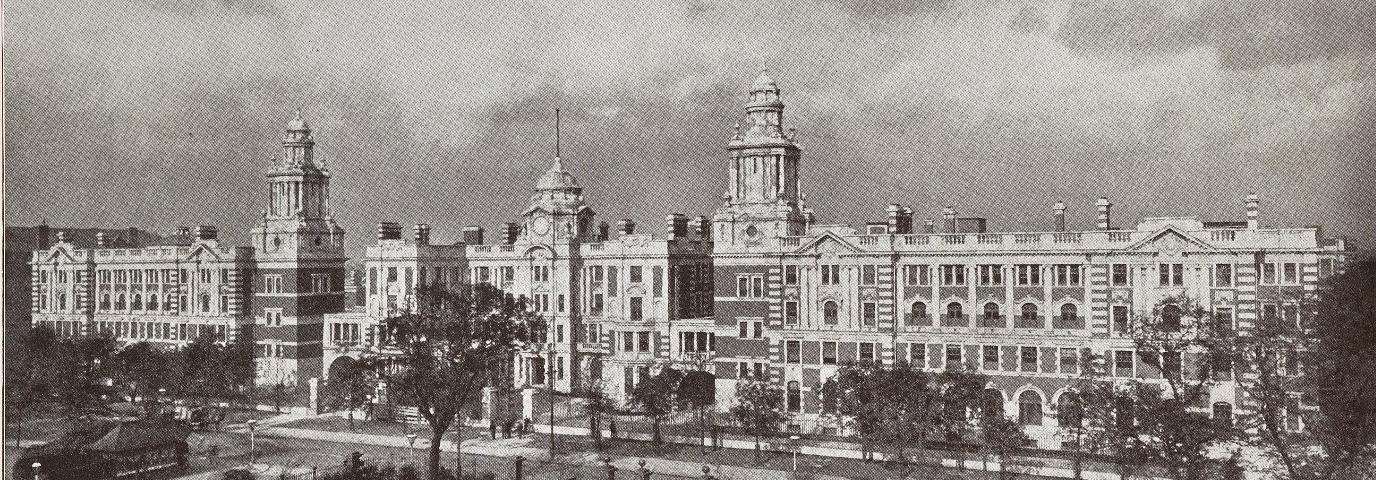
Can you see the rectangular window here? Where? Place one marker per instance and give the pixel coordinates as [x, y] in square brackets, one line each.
[868, 352]
[1119, 275]
[482, 274]
[1070, 361]
[1029, 275]
[1224, 317]
[1171, 274]
[657, 281]
[744, 329]
[828, 353]
[508, 274]
[831, 274]
[953, 275]
[790, 313]
[793, 351]
[917, 355]
[757, 286]
[759, 329]
[1067, 275]
[869, 275]
[991, 275]
[642, 341]
[953, 357]
[628, 341]
[870, 313]
[916, 275]
[1268, 274]
[1120, 319]
[1290, 315]
[1290, 274]
[790, 275]
[1270, 312]
[1028, 358]
[637, 308]
[991, 358]
[750, 286]
[611, 281]
[391, 274]
[637, 274]
[559, 333]
[1122, 363]
[1223, 275]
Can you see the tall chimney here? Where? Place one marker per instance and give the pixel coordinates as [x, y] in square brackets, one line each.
[206, 232]
[603, 231]
[388, 231]
[1105, 222]
[1253, 211]
[895, 212]
[948, 216]
[42, 233]
[183, 231]
[929, 226]
[1059, 209]
[905, 221]
[626, 226]
[702, 228]
[473, 235]
[675, 226]
[102, 240]
[422, 234]
[510, 232]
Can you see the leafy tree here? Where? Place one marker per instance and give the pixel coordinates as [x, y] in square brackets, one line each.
[1341, 366]
[1002, 437]
[1070, 417]
[28, 375]
[857, 390]
[443, 353]
[657, 396]
[1112, 424]
[698, 391]
[957, 391]
[140, 370]
[758, 408]
[348, 388]
[895, 406]
[78, 367]
[596, 405]
[213, 371]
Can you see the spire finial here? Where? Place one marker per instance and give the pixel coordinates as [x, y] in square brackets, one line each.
[556, 135]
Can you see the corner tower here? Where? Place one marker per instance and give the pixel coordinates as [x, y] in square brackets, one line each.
[762, 198]
[299, 252]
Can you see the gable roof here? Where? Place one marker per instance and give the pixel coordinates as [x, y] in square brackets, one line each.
[1170, 230]
[816, 242]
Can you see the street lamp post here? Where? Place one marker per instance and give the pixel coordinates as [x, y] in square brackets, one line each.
[411, 448]
[796, 447]
[251, 450]
[162, 398]
[36, 474]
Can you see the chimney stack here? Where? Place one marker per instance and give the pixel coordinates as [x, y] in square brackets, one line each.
[895, 220]
[948, 216]
[473, 235]
[422, 234]
[626, 226]
[702, 228]
[183, 231]
[604, 231]
[676, 226]
[42, 233]
[203, 232]
[102, 241]
[1105, 222]
[388, 231]
[1253, 211]
[929, 226]
[905, 221]
[1059, 209]
[510, 232]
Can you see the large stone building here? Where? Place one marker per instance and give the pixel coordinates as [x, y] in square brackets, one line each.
[274, 293]
[761, 290]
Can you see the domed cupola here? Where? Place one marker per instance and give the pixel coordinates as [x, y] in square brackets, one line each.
[556, 178]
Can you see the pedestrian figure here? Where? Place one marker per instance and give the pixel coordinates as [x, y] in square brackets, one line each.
[526, 427]
[612, 427]
[506, 429]
[492, 428]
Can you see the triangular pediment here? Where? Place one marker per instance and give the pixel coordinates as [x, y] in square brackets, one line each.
[203, 251]
[58, 254]
[827, 242]
[1169, 240]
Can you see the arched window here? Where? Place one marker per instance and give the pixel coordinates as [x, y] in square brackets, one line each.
[1170, 318]
[830, 312]
[137, 304]
[795, 397]
[119, 302]
[1068, 313]
[918, 313]
[1069, 411]
[1030, 408]
[1223, 413]
[991, 311]
[104, 301]
[205, 302]
[1029, 312]
[152, 301]
[953, 311]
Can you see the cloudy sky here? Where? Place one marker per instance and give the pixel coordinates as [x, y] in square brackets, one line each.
[164, 113]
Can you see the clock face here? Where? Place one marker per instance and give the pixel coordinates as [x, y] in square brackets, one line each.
[539, 225]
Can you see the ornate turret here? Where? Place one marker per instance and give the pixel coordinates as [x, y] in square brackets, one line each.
[298, 214]
[557, 212]
[762, 199]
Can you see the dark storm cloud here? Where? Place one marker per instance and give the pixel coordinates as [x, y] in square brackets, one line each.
[159, 115]
[1247, 35]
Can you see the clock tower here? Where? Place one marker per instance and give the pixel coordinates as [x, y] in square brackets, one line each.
[762, 198]
[299, 255]
[557, 213]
